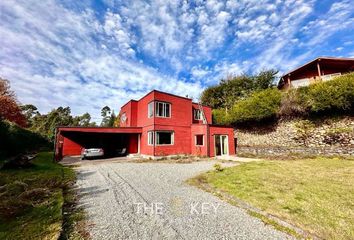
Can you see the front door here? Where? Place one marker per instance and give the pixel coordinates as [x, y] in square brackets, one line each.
[221, 145]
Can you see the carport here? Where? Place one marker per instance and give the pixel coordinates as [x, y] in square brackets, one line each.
[69, 141]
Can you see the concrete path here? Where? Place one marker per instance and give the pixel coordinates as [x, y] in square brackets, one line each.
[152, 201]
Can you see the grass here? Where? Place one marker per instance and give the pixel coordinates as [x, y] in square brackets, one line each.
[32, 199]
[315, 195]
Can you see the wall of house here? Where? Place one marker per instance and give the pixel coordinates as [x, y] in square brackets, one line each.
[130, 109]
[142, 111]
[144, 147]
[207, 112]
[181, 110]
[215, 130]
[182, 139]
[70, 147]
[197, 129]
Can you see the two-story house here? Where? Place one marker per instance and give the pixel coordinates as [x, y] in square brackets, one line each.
[158, 124]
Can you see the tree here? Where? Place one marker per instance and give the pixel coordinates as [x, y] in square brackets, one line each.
[235, 88]
[112, 119]
[83, 120]
[265, 79]
[260, 106]
[29, 111]
[9, 107]
[105, 113]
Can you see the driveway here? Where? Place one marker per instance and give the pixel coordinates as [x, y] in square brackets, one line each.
[152, 201]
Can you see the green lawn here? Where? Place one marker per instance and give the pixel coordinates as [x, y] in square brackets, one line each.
[31, 199]
[316, 195]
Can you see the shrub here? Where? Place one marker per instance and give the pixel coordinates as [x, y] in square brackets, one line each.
[262, 105]
[293, 104]
[16, 140]
[333, 96]
[304, 130]
[220, 116]
[218, 167]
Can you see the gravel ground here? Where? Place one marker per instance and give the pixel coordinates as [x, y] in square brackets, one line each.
[152, 201]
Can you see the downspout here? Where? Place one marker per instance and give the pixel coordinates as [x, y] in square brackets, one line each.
[153, 128]
[208, 140]
[55, 144]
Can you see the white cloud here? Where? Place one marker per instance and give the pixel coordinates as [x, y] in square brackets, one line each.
[56, 56]
[53, 60]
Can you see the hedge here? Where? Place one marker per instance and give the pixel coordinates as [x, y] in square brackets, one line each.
[336, 95]
[259, 106]
[325, 98]
[15, 140]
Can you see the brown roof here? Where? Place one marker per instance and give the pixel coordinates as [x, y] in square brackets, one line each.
[336, 59]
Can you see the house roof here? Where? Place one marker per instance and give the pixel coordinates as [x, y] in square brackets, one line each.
[101, 129]
[154, 90]
[332, 59]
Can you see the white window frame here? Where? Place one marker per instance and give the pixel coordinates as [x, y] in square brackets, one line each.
[151, 106]
[151, 138]
[197, 113]
[195, 138]
[172, 138]
[123, 118]
[164, 104]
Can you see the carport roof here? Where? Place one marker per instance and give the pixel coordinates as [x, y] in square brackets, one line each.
[101, 129]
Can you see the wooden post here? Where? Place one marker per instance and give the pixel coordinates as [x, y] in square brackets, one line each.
[319, 69]
[289, 82]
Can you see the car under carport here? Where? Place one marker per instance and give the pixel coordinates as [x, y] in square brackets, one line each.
[69, 141]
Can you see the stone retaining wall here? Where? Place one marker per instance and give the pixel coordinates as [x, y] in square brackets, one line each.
[325, 137]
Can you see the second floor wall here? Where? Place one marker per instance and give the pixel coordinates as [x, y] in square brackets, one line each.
[161, 109]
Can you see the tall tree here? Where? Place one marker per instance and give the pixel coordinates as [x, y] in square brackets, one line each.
[106, 116]
[9, 107]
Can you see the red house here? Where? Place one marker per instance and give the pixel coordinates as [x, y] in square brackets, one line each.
[159, 124]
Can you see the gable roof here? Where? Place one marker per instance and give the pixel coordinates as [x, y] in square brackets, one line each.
[350, 60]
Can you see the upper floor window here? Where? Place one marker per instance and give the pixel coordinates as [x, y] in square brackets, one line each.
[151, 109]
[197, 114]
[123, 118]
[162, 109]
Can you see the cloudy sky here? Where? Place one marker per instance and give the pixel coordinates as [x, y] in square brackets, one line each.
[88, 54]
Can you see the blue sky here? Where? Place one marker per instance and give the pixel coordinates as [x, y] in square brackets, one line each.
[88, 54]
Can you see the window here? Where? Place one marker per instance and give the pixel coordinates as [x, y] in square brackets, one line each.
[150, 109]
[197, 114]
[123, 118]
[151, 138]
[162, 109]
[199, 140]
[164, 138]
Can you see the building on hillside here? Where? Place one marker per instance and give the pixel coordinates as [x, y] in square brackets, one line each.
[317, 70]
[159, 124]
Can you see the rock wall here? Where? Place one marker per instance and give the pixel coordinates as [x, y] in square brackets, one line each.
[325, 137]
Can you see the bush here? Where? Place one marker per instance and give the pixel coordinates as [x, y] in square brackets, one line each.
[294, 104]
[262, 105]
[218, 167]
[220, 116]
[16, 140]
[333, 96]
[304, 130]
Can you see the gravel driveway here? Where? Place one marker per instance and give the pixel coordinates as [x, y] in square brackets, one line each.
[151, 201]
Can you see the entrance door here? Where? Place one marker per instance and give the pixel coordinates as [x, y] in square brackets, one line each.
[221, 145]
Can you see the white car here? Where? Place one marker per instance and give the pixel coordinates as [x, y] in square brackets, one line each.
[91, 153]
